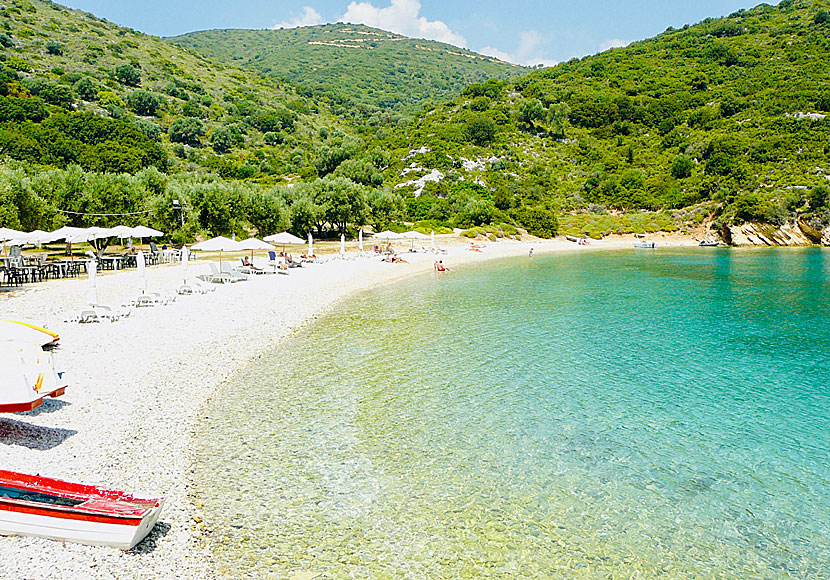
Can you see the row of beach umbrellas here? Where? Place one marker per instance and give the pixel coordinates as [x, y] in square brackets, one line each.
[71, 235]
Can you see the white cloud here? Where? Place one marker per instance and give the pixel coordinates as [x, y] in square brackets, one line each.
[309, 17]
[613, 43]
[528, 53]
[402, 17]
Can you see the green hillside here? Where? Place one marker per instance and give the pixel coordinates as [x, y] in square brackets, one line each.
[724, 121]
[726, 117]
[79, 90]
[369, 75]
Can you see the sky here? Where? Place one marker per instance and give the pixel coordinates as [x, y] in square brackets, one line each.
[527, 32]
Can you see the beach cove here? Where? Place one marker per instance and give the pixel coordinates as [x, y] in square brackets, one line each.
[137, 387]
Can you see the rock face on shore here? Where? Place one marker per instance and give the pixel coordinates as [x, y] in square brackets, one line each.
[797, 233]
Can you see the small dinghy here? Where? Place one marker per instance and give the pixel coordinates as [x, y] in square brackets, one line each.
[27, 376]
[27, 332]
[709, 244]
[645, 244]
[50, 508]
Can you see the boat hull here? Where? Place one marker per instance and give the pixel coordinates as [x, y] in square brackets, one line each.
[32, 505]
[103, 532]
[27, 376]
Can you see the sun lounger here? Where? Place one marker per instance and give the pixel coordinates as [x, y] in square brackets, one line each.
[153, 299]
[215, 276]
[235, 276]
[99, 313]
[195, 286]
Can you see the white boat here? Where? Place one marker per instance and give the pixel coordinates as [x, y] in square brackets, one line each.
[644, 244]
[50, 508]
[27, 376]
[28, 332]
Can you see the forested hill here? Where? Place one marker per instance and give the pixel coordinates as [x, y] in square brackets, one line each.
[76, 89]
[370, 75]
[728, 116]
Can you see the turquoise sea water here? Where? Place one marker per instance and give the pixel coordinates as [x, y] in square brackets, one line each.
[636, 414]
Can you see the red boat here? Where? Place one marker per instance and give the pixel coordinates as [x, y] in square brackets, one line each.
[27, 376]
[31, 505]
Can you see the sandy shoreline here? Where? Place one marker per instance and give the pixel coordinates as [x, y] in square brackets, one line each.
[137, 387]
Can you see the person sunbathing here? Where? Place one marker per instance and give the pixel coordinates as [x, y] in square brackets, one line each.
[248, 264]
[439, 266]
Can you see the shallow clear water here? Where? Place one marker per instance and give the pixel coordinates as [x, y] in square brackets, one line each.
[638, 414]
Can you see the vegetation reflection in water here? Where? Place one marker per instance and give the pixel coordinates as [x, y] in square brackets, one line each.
[615, 415]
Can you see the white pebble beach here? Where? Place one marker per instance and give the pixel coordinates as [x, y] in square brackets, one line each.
[137, 387]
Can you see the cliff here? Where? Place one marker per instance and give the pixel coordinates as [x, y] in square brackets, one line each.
[797, 233]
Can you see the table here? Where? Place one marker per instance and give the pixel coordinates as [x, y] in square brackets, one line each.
[170, 255]
[111, 262]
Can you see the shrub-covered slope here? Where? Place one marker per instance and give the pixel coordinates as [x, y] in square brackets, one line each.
[76, 89]
[369, 75]
[727, 116]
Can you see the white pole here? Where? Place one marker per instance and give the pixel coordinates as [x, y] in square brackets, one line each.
[92, 272]
[360, 240]
[432, 239]
[310, 245]
[141, 266]
[342, 245]
[185, 262]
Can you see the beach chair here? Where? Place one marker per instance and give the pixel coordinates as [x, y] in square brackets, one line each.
[227, 269]
[195, 286]
[215, 276]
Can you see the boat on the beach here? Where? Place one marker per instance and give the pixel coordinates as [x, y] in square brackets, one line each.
[28, 332]
[709, 244]
[644, 244]
[31, 505]
[580, 241]
[27, 376]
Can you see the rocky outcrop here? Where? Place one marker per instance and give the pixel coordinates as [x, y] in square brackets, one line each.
[797, 233]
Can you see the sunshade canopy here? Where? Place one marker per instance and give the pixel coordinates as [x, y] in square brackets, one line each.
[145, 232]
[387, 235]
[218, 244]
[254, 244]
[284, 238]
[10, 234]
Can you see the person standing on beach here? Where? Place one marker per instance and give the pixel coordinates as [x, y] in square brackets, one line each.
[530, 253]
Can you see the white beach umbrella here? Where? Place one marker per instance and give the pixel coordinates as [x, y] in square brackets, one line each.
[92, 292]
[35, 238]
[141, 266]
[145, 232]
[122, 232]
[414, 235]
[360, 241]
[255, 244]
[284, 238]
[218, 244]
[342, 245]
[66, 232]
[310, 245]
[387, 235]
[10, 234]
